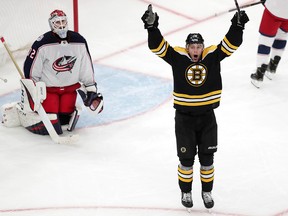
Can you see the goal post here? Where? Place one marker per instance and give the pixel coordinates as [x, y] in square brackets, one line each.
[75, 15]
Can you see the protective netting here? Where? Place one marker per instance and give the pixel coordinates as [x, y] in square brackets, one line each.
[23, 21]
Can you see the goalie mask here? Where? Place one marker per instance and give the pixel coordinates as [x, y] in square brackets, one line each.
[58, 23]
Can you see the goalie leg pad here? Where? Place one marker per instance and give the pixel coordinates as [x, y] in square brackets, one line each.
[10, 117]
[39, 128]
[74, 118]
[33, 123]
[32, 94]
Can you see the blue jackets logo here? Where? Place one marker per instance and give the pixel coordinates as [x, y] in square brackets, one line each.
[64, 64]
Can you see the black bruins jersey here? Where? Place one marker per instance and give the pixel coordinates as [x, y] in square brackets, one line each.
[197, 85]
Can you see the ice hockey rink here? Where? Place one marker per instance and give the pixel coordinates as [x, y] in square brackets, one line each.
[125, 161]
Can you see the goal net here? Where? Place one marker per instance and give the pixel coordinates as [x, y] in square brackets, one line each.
[23, 21]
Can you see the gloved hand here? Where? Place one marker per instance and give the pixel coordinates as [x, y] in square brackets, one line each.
[94, 101]
[240, 20]
[150, 19]
[91, 98]
[263, 1]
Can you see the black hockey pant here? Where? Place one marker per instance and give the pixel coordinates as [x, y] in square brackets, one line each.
[196, 133]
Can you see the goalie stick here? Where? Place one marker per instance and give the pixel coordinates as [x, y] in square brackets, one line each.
[42, 113]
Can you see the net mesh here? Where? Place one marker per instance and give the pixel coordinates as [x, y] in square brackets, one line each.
[23, 21]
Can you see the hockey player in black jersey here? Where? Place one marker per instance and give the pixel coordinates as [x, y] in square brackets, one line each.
[197, 92]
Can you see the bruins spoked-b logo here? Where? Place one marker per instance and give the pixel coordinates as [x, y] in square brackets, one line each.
[196, 74]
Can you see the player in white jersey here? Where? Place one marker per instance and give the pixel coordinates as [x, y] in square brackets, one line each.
[272, 40]
[61, 60]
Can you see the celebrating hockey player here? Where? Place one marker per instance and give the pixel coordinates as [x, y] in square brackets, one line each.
[56, 67]
[273, 31]
[197, 92]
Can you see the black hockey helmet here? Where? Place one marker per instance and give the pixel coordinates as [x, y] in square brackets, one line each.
[194, 38]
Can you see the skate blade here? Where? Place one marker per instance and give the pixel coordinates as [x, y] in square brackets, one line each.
[270, 75]
[256, 83]
[189, 210]
[210, 212]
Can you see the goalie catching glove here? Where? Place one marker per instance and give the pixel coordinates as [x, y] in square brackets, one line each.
[91, 98]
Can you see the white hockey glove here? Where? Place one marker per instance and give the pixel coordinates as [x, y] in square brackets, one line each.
[91, 98]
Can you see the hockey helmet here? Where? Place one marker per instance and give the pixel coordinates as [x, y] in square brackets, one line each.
[194, 38]
[58, 23]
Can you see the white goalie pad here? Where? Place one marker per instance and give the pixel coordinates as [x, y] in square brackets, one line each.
[9, 113]
[32, 94]
[40, 94]
[74, 118]
[28, 118]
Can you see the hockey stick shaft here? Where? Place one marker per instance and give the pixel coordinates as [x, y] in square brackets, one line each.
[245, 6]
[240, 7]
[11, 56]
[237, 6]
[42, 113]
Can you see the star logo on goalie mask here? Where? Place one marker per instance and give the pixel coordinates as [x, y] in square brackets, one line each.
[64, 64]
[196, 74]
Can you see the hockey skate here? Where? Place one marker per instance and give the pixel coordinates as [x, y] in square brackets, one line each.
[207, 199]
[186, 199]
[271, 69]
[257, 77]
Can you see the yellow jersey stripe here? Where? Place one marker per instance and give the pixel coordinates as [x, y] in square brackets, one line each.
[197, 96]
[196, 104]
[159, 47]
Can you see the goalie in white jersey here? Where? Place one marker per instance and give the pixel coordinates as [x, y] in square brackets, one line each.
[60, 63]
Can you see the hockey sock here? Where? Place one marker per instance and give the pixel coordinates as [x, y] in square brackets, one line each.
[207, 177]
[185, 177]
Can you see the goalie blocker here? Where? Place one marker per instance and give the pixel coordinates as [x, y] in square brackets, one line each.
[25, 114]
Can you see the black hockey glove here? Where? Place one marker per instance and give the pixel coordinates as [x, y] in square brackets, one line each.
[240, 20]
[150, 19]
